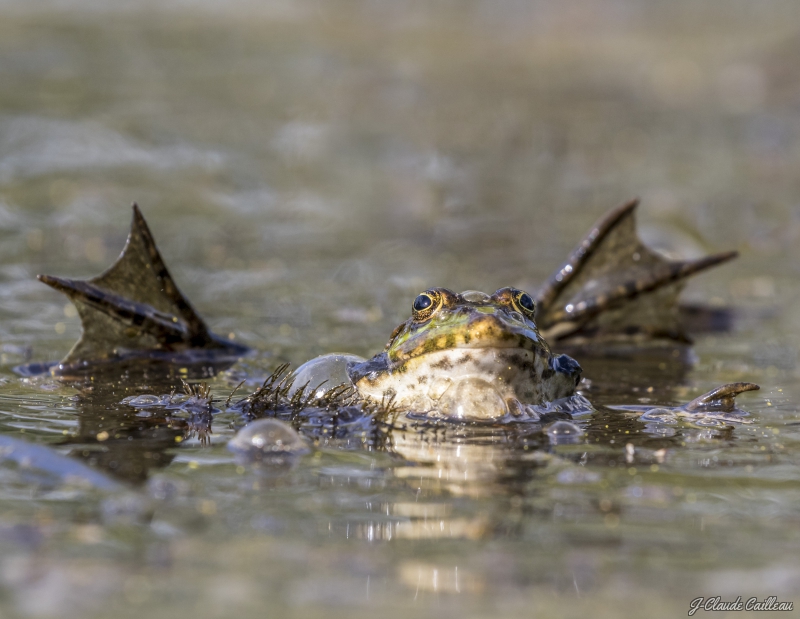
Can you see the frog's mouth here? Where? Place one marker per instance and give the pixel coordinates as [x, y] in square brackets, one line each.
[479, 327]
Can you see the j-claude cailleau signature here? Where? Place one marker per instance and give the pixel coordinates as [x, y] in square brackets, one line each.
[751, 604]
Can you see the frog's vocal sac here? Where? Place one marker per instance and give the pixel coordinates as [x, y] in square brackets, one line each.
[612, 289]
[485, 347]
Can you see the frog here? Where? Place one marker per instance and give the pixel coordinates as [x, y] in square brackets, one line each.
[476, 357]
[467, 355]
[485, 350]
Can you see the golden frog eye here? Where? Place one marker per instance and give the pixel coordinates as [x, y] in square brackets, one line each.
[426, 304]
[525, 303]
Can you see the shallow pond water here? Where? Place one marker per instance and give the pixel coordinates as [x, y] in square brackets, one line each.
[307, 168]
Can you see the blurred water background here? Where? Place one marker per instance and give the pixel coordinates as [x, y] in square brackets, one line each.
[307, 168]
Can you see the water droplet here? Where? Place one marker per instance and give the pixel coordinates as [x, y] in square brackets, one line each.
[472, 398]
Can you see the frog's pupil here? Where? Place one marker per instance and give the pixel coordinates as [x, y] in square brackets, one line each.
[526, 302]
[422, 302]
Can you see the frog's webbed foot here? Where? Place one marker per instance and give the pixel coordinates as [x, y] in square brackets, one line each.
[134, 309]
[615, 287]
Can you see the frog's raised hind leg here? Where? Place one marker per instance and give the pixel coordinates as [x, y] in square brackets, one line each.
[134, 309]
[615, 287]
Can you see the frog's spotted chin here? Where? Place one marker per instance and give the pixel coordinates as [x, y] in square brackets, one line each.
[421, 383]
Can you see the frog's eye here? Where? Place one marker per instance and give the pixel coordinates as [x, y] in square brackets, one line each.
[422, 302]
[525, 302]
[426, 304]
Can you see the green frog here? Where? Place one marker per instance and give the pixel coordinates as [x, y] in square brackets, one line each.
[468, 352]
[464, 356]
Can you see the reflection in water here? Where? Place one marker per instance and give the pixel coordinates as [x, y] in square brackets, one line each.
[436, 579]
[128, 435]
[412, 481]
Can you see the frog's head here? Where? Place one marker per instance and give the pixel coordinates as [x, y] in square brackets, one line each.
[471, 343]
[443, 320]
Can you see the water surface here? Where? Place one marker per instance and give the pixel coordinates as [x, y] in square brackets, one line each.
[307, 168]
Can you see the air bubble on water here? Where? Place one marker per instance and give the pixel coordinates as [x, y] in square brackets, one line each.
[268, 438]
[564, 432]
[475, 296]
[660, 415]
[472, 398]
[660, 430]
[323, 373]
[709, 422]
[140, 401]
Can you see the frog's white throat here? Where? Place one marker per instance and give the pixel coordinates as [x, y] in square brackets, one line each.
[467, 383]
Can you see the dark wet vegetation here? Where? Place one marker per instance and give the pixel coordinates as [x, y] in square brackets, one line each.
[307, 170]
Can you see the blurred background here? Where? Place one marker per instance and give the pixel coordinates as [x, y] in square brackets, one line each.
[308, 167]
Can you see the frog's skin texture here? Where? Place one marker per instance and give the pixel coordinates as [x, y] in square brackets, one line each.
[489, 343]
